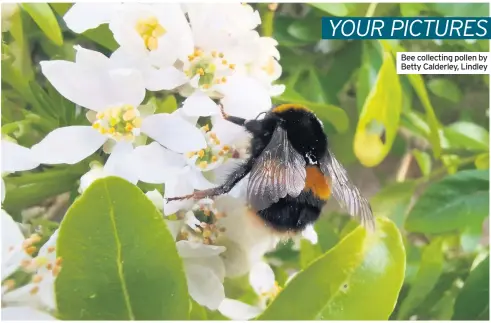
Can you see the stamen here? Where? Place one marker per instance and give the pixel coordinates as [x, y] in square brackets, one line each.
[9, 284]
[51, 249]
[37, 278]
[34, 290]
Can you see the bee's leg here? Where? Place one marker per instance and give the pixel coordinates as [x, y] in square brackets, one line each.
[226, 187]
[236, 120]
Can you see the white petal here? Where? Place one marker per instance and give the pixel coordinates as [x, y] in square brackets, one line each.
[156, 198]
[173, 132]
[237, 310]
[88, 178]
[156, 164]
[261, 278]
[92, 88]
[214, 263]
[199, 181]
[189, 249]
[192, 120]
[227, 131]
[95, 59]
[68, 145]
[204, 286]
[174, 227]
[120, 162]
[17, 158]
[47, 245]
[83, 16]
[200, 104]
[11, 233]
[177, 186]
[167, 78]
[24, 313]
[310, 234]
[277, 89]
[235, 258]
[244, 97]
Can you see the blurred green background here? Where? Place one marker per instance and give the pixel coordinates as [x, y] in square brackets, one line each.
[418, 147]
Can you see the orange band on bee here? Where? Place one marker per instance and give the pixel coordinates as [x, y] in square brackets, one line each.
[290, 106]
[317, 183]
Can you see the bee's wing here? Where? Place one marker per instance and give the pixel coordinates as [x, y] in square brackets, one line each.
[278, 171]
[345, 192]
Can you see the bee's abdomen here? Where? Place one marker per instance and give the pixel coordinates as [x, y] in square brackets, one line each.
[293, 214]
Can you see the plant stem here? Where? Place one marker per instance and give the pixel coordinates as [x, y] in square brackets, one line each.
[267, 18]
[371, 9]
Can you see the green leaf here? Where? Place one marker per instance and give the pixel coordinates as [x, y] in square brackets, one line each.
[308, 30]
[119, 259]
[335, 9]
[310, 87]
[429, 271]
[467, 135]
[473, 301]
[308, 252]
[452, 203]
[44, 17]
[168, 105]
[326, 112]
[359, 279]
[446, 89]
[461, 9]
[424, 161]
[392, 201]
[367, 75]
[103, 36]
[379, 119]
[198, 312]
[419, 87]
[281, 34]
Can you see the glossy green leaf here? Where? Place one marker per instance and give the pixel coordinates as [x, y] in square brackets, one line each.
[167, 105]
[468, 135]
[419, 87]
[451, 203]
[429, 271]
[198, 312]
[103, 36]
[424, 161]
[119, 259]
[310, 86]
[367, 75]
[359, 279]
[326, 112]
[393, 200]
[326, 233]
[473, 301]
[335, 9]
[44, 17]
[446, 89]
[379, 118]
[281, 34]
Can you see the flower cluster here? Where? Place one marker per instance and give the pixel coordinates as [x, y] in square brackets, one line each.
[205, 54]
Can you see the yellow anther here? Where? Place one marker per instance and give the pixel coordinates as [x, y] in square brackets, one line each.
[9, 284]
[49, 266]
[226, 148]
[25, 263]
[51, 249]
[56, 270]
[198, 52]
[206, 233]
[190, 58]
[220, 55]
[200, 71]
[224, 79]
[214, 159]
[190, 154]
[103, 131]
[206, 128]
[207, 212]
[214, 54]
[231, 66]
[152, 43]
[58, 261]
[113, 121]
[203, 164]
[217, 141]
[201, 153]
[221, 153]
[213, 135]
[129, 115]
[31, 250]
[112, 130]
[206, 86]
[158, 31]
[137, 122]
[37, 278]
[224, 62]
[99, 115]
[34, 290]
[128, 127]
[96, 125]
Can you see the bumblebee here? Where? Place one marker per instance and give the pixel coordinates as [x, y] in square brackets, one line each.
[292, 171]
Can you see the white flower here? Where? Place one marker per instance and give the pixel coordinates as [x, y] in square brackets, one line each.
[96, 171]
[204, 272]
[114, 94]
[15, 158]
[152, 38]
[262, 280]
[39, 293]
